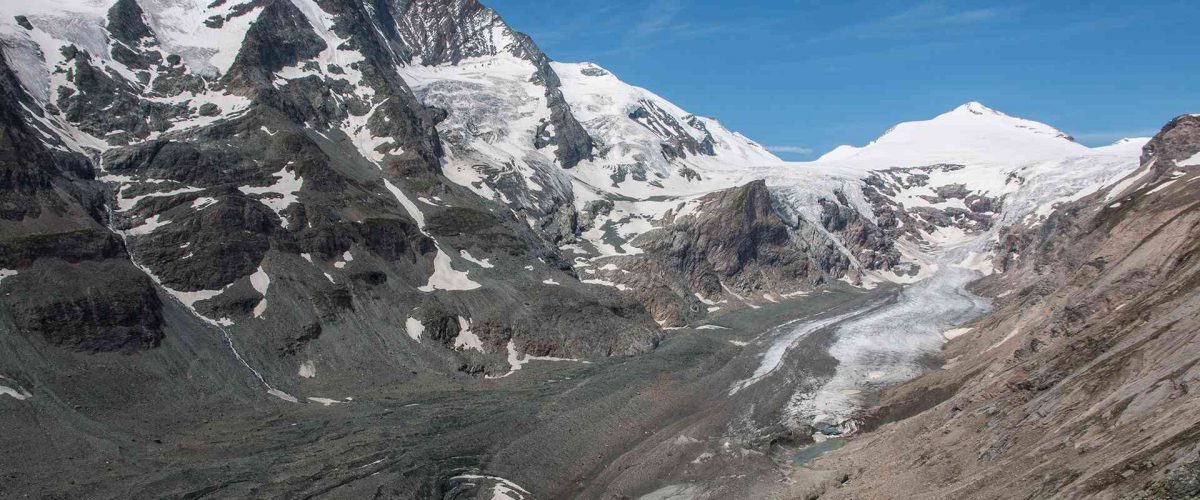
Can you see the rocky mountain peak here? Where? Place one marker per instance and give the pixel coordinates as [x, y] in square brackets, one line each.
[1178, 142]
[449, 31]
[281, 37]
[126, 22]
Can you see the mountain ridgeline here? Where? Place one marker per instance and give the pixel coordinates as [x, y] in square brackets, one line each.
[228, 207]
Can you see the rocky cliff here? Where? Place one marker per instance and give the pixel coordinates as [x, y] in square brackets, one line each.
[731, 249]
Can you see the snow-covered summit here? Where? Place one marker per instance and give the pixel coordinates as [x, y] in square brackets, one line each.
[663, 148]
[597, 95]
[969, 134]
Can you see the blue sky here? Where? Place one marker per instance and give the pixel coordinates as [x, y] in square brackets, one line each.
[803, 76]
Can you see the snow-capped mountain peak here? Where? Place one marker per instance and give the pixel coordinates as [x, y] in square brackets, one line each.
[644, 131]
[976, 108]
[970, 133]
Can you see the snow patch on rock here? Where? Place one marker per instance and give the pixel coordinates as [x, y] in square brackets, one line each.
[484, 263]
[502, 490]
[517, 360]
[16, 392]
[445, 277]
[466, 338]
[308, 369]
[956, 333]
[280, 195]
[326, 401]
[414, 328]
[260, 281]
[283, 395]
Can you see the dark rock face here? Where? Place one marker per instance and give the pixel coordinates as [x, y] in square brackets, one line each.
[677, 142]
[447, 31]
[189, 162]
[280, 37]
[125, 22]
[209, 249]
[1178, 141]
[77, 288]
[303, 336]
[73, 246]
[547, 331]
[483, 230]
[738, 246]
[441, 327]
[370, 29]
[881, 187]
[103, 103]
[867, 242]
[436, 32]
[101, 306]
[394, 239]
[744, 230]
[126, 25]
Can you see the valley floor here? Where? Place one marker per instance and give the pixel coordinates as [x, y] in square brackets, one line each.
[722, 410]
[625, 426]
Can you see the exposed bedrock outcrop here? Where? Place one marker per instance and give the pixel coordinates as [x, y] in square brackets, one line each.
[450, 31]
[948, 206]
[73, 286]
[1178, 141]
[733, 249]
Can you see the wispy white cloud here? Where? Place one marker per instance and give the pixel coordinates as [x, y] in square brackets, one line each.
[630, 28]
[658, 16]
[800, 150]
[660, 22]
[929, 17]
